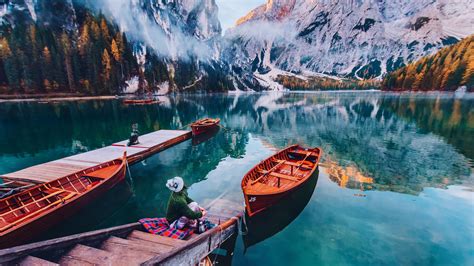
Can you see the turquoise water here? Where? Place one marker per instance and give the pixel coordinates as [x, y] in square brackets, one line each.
[395, 185]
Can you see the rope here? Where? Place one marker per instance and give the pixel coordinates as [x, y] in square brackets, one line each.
[219, 246]
[242, 222]
[227, 129]
[130, 176]
[185, 126]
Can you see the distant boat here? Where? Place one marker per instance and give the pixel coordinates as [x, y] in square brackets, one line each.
[138, 102]
[30, 213]
[277, 176]
[204, 125]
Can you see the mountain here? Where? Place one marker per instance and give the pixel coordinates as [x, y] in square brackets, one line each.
[359, 38]
[175, 44]
[448, 69]
[56, 47]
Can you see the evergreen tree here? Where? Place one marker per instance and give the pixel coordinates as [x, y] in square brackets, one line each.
[97, 58]
[46, 62]
[66, 46]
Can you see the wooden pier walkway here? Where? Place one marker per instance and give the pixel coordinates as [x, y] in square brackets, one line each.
[130, 245]
[149, 144]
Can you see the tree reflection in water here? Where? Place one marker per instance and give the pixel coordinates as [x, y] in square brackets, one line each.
[404, 142]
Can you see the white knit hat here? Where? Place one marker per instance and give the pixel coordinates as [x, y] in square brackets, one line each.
[175, 184]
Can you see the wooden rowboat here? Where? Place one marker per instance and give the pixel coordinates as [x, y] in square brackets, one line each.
[30, 213]
[138, 102]
[277, 176]
[204, 125]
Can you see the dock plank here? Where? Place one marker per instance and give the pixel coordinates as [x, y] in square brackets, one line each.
[126, 245]
[82, 254]
[30, 260]
[133, 255]
[156, 239]
[149, 144]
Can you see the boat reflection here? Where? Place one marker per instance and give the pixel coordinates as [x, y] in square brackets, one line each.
[274, 219]
[203, 137]
[100, 215]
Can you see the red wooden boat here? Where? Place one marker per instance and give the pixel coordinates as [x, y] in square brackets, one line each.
[204, 125]
[277, 176]
[30, 213]
[143, 101]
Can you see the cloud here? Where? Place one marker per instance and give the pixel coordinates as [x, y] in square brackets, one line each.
[262, 30]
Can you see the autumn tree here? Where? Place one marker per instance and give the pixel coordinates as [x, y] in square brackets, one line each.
[448, 69]
[66, 46]
[106, 66]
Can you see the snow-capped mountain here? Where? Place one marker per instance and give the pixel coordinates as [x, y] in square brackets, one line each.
[358, 38]
[184, 34]
[173, 28]
[353, 38]
[55, 13]
[198, 17]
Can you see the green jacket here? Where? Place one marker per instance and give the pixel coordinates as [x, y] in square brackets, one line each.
[178, 206]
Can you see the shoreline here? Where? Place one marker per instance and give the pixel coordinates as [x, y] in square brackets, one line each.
[56, 98]
[72, 97]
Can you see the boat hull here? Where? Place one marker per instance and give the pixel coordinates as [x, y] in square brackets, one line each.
[278, 176]
[256, 203]
[200, 129]
[31, 230]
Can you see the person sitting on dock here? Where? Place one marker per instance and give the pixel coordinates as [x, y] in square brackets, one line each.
[133, 140]
[182, 210]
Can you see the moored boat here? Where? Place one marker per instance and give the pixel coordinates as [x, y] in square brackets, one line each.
[30, 213]
[204, 125]
[277, 176]
[138, 102]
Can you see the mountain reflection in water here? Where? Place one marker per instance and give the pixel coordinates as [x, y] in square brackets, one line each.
[411, 154]
[402, 142]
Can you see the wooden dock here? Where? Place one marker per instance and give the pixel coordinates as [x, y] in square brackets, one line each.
[130, 245]
[149, 144]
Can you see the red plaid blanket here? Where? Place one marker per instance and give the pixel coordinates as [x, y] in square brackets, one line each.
[160, 226]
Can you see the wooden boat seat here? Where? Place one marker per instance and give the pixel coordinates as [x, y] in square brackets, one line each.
[103, 173]
[312, 153]
[51, 190]
[283, 176]
[279, 175]
[286, 162]
[301, 165]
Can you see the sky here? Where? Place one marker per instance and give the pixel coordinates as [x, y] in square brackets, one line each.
[231, 10]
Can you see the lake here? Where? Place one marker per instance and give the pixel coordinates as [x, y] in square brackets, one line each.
[395, 185]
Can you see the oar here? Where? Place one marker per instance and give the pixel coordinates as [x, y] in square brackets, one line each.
[6, 183]
[268, 172]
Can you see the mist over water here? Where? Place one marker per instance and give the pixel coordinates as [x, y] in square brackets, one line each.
[395, 185]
